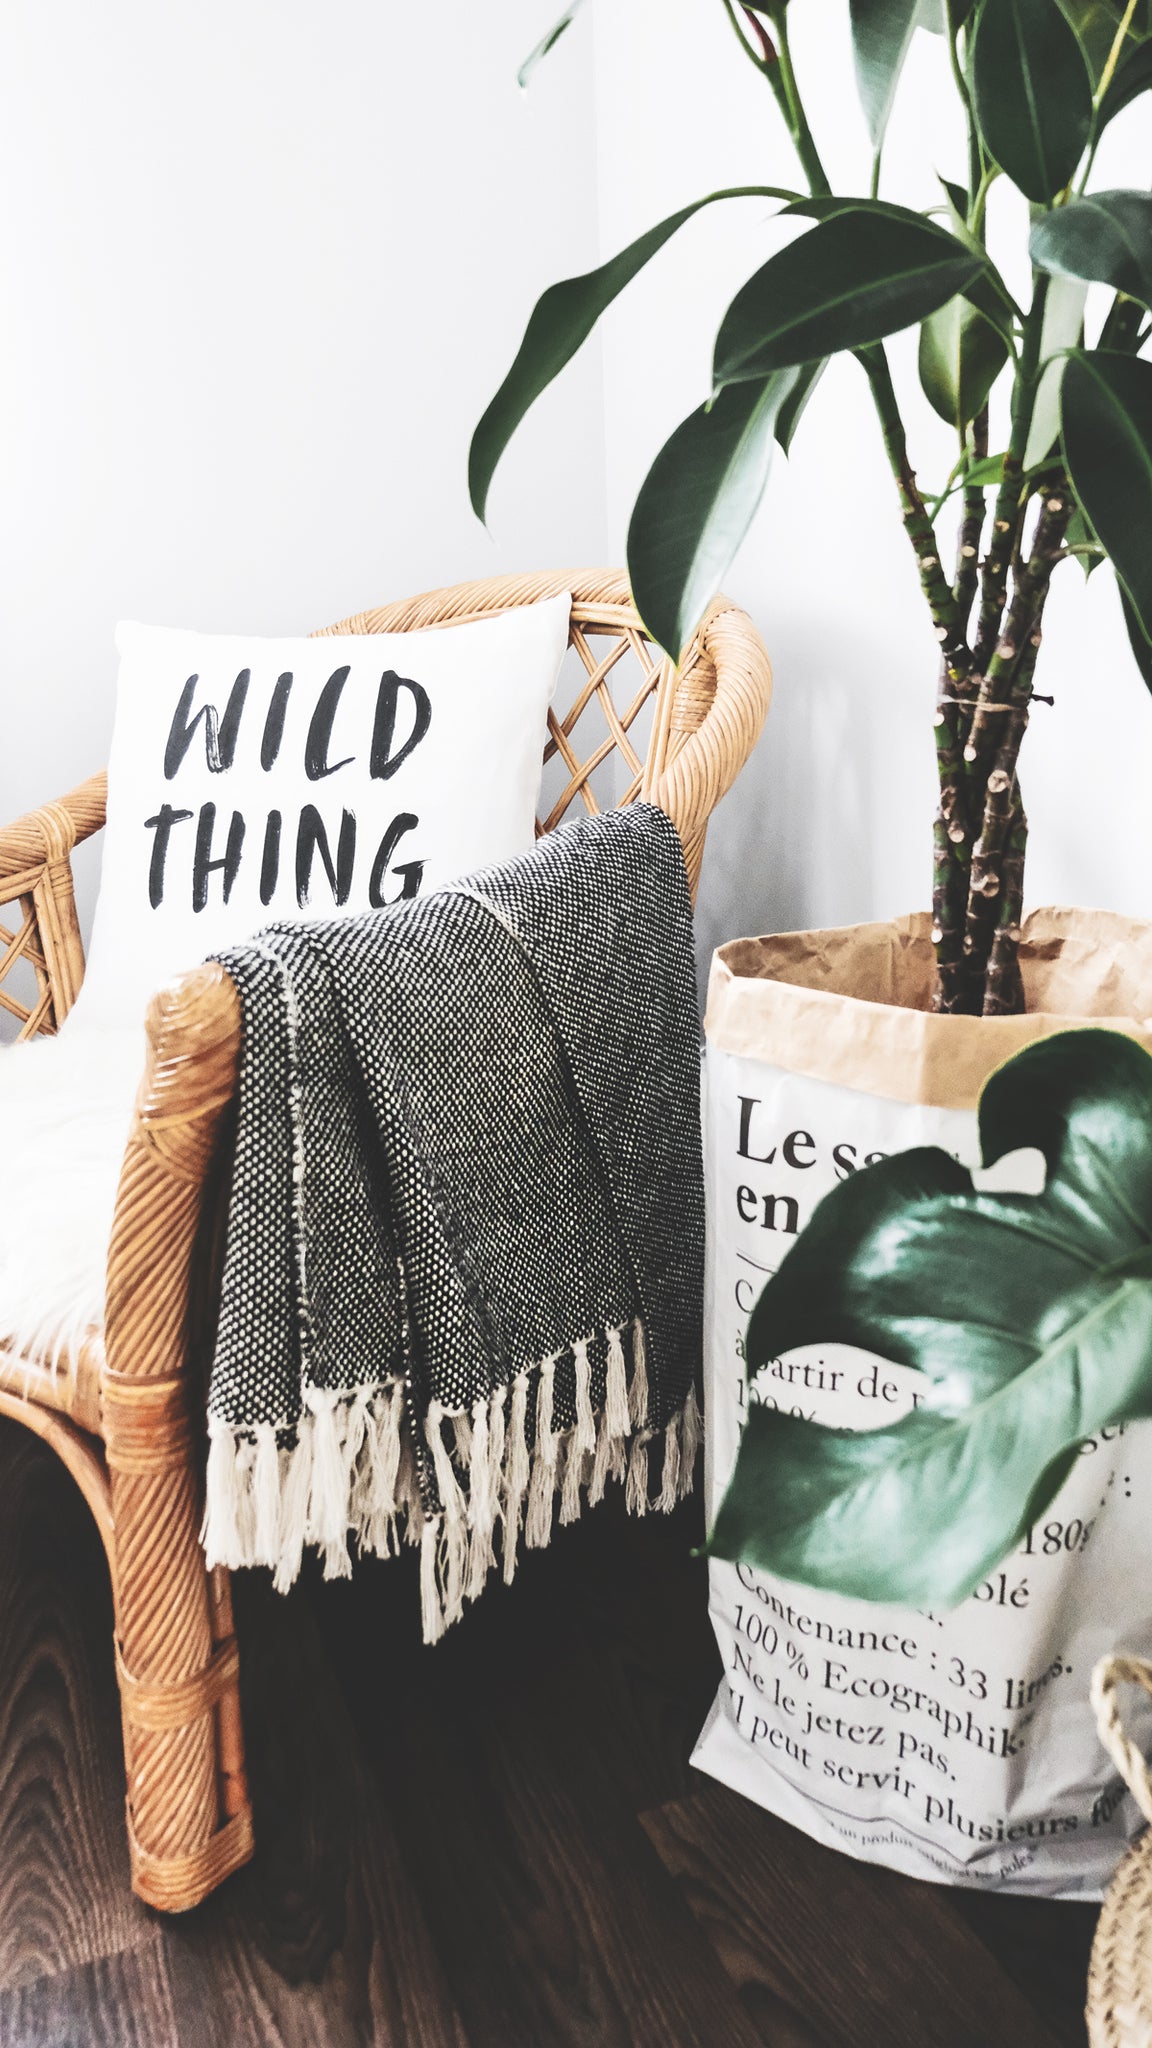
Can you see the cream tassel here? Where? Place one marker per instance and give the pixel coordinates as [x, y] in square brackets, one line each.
[517, 1474]
[496, 1448]
[573, 1474]
[601, 1462]
[294, 1491]
[431, 1611]
[636, 1492]
[332, 1458]
[616, 1388]
[372, 1503]
[462, 1432]
[691, 1432]
[452, 1565]
[220, 1534]
[453, 1547]
[638, 1396]
[671, 1473]
[538, 1521]
[480, 1504]
[266, 1487]
[448, 1486]
[482, 1553]
[585, 1436]
[410, 1516]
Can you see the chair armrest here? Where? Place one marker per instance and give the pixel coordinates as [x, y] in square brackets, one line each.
[30, 843]
[714, 717]
[161, 1231]
[36, 872]
[167, 1245]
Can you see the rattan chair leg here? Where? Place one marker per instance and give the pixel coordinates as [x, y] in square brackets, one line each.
[189, 1818]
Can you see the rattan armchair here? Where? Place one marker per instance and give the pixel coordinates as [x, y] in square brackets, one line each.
[125, 1410]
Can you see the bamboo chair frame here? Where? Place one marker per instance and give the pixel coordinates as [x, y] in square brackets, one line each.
[126, 1412]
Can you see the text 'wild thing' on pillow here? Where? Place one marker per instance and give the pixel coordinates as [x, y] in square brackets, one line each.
[254, 781]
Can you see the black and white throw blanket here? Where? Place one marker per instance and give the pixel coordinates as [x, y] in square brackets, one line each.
[463, 1273]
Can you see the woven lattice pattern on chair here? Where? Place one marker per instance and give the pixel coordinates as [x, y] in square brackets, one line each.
[621, 672]
[25, 989]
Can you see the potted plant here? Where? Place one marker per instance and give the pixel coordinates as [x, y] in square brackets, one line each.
[829, 1051]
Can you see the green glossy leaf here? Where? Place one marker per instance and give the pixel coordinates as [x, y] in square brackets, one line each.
[1032, 92]
[961, 356]
[1106, 238]
[697, 503]
[1029, 1317]
[1106, 421]
[881, 33]
[561, 322]
[1140, 645]
[849, 281]
[1095, 23]
[1133, 75]
[795, 404]
[986, 290]
[988, 469]
[1062, 329]
[548, 42]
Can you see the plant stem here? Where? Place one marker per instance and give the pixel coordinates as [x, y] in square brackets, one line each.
[952, 831]
[802, 137]
[1011, 498]
[917, 525]
[1102, 84]
[1004, 697]
[971, 530]
[988, 178]
[762, 63]
[1114, 54]
[1003, 987]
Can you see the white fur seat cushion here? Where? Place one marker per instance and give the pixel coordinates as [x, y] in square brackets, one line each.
[65, 1106]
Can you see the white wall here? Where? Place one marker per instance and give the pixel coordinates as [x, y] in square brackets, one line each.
[832, 820]
[262, 263]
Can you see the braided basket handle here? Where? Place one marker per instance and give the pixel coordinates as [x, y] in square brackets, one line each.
[1110, 1673]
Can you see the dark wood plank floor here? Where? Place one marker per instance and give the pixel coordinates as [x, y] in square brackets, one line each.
[494, 1844]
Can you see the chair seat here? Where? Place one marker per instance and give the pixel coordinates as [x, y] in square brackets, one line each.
[65, 1107]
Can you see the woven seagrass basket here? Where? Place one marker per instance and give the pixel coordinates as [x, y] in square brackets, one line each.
[1119, 2009]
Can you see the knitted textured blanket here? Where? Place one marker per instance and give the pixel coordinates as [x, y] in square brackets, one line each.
[463, 1271]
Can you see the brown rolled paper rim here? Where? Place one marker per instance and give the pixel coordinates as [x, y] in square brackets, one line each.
[849, 1004]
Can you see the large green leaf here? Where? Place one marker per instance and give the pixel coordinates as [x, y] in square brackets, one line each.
[795, 404]
[852, 279]
[986, 289]
[1062, 328]
[697, 503]
[961, 356]
[1029, 1317]
[1106, 421]
[561, 321]
[1096, 22]
[1033, 94]
[1106, 238]
[881, 33]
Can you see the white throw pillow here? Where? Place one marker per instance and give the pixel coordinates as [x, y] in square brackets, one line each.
[254, 780]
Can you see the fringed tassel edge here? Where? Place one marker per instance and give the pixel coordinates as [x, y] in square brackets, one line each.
[351, 1472]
